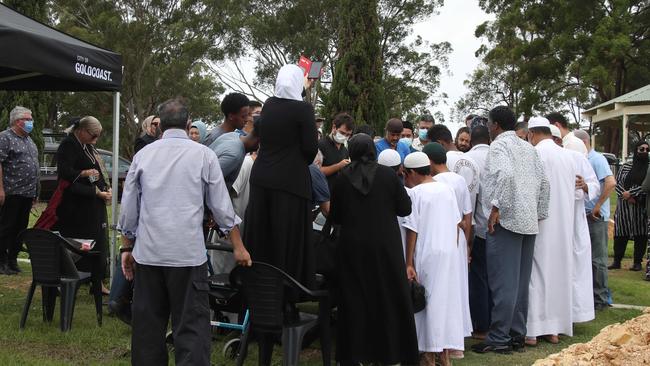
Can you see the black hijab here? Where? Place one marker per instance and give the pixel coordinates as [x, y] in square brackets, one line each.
[639, 167]
[361, 172]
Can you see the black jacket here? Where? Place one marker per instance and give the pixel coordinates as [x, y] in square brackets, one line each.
[288, 144]
[81, 213]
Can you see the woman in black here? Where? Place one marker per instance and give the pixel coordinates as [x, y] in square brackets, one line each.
[630, 217]
[278, 226]
[82, 211]
[375, 315]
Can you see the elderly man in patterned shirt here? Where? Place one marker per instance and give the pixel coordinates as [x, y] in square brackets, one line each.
[516, 195]
[18, 184]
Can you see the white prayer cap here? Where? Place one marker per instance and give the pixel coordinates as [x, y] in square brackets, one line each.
[538, 122]
[555, 131]
[416, 160]
[389, 157]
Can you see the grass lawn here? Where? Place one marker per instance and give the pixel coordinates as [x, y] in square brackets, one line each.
[87, 344]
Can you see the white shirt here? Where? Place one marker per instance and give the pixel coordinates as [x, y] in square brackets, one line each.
[466, 167]
[162, 205]
[241, 187]
[479, 154]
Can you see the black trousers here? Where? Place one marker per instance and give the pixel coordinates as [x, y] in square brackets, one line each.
[620, 244]
[14, 217]
[181, 292]
[480, 301]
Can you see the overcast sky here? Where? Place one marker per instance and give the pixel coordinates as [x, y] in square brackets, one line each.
[455, 23]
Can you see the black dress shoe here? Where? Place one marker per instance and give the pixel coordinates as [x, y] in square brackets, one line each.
[518, 343]
[636, 267]
[4, 269]
[12, 264]
[485, 348]
[614, 266]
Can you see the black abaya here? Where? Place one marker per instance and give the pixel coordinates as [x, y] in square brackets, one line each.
[375, 317]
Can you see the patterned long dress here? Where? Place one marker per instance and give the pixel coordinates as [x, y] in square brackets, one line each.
[630, 218]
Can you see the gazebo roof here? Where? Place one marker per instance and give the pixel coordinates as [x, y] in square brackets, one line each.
[636, 96]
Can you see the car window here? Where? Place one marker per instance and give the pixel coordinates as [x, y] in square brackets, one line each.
[123, 165]
[48, 163]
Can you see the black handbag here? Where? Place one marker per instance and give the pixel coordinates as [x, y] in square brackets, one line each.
[325, 249]
[417, 296]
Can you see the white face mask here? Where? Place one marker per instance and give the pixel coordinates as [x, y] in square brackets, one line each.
[339, 138]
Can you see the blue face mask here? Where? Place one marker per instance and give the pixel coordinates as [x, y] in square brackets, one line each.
[28, 126]
[406, 141]
[422, 133]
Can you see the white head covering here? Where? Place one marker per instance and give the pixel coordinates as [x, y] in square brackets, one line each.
[416, 159]
[289, 83]
[389, 157]
[555, 131]
[538, 122]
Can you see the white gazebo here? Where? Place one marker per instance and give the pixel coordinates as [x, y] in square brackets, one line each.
[629, 111]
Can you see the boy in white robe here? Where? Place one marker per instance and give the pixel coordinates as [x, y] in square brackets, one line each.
[432, 258]
[440, 171]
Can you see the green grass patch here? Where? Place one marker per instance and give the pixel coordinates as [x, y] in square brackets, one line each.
[42, 343]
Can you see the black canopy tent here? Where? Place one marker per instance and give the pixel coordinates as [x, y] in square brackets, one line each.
[36, 57]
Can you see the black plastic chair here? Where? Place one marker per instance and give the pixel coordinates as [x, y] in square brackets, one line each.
[54, 270]
[264, 287]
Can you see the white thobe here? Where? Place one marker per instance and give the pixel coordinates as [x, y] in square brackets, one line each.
[463, 200]
[583, 295]
[571, 142]
[435, 219]
[550, 298]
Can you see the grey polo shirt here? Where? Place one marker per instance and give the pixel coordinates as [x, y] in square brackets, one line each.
[231, 152]
[20, 170]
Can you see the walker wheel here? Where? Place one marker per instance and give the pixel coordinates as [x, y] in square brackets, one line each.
[231, 349]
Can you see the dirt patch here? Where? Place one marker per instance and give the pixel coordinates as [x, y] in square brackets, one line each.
[17, 282]
[616, 344]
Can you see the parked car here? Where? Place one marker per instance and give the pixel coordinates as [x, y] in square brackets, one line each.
[613, 161]
[48, 167]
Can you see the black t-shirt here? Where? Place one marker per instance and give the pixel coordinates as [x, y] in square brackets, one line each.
[331, 155]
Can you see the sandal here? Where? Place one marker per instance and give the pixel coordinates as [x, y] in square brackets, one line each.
[551, 338]
[531, 341]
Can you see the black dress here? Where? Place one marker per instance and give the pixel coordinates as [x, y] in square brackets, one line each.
[375, 316]
[278, 227]
[142, 141]
[81, 214]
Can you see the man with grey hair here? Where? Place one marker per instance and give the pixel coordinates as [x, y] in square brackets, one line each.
[19, 173]
[598, 220]
[163, 241]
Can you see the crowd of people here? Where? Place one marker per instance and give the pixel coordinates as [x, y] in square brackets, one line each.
[505, 225]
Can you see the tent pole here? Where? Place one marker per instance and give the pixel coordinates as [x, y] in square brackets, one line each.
[114, 179]
[625, 133]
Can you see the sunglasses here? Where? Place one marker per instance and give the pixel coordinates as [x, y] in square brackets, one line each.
[94, 136]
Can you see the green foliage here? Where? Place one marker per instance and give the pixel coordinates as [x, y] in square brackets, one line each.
[357, 86]
[560, 54]
[277, 33]
[164, 45]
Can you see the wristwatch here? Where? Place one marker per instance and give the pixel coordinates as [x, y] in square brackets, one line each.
[125, 249]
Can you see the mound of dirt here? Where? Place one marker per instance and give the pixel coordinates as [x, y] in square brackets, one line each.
[616, 344]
